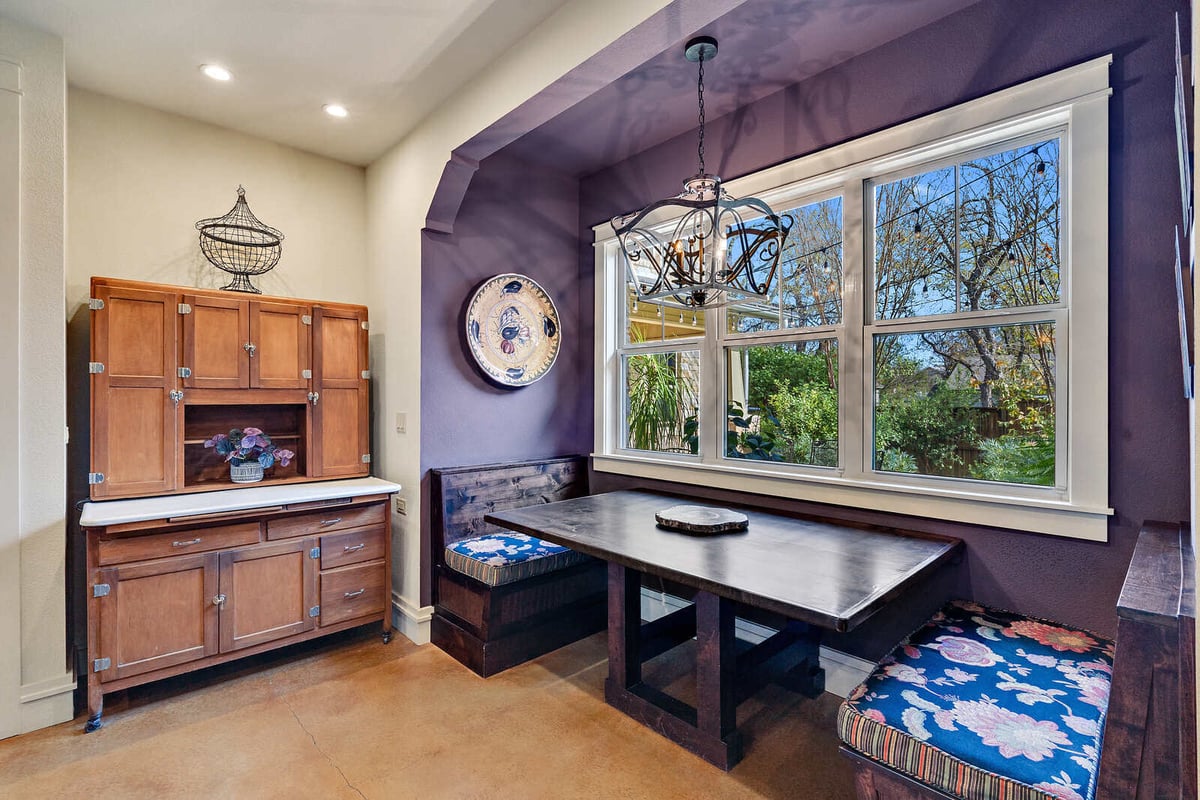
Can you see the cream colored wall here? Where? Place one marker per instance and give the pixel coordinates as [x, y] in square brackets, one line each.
[139, 179]
[35, 680]
[400, 187]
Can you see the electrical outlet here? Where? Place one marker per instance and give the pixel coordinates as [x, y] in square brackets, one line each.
[401, 505]
[401, 422]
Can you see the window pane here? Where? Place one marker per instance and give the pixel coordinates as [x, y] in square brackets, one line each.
[783, 403]
[808, 287]
[914, 246]
[967, 403]
[661, 401]
[1008, 228]
[657, 321]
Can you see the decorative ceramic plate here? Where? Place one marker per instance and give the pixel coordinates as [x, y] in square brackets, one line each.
[512, 330]
[701, 519]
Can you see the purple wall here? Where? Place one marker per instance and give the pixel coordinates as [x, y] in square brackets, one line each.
[520, 218]
[515, 218]
[987, 47]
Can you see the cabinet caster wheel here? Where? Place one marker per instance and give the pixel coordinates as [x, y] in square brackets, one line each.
[93, 724]
[387, 637]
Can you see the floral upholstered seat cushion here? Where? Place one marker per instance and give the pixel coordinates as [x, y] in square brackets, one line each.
[987, 704]
[505, 557]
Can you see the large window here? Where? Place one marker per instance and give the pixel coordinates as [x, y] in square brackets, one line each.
[937, 283]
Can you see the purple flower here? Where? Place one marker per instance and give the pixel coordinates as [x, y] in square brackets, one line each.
[249, 444]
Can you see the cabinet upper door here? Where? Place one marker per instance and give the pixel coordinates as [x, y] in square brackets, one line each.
[271, 592]
[134, 418]
[340, 437]
[216, 339]
[157, 614]
[279, 333]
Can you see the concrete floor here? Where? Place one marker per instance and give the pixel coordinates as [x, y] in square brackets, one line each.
[348, 717]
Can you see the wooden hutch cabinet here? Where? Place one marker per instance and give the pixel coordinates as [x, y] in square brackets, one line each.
[172, 366]
[179, 580]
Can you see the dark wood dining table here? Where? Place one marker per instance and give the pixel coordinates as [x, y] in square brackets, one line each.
[819, 575]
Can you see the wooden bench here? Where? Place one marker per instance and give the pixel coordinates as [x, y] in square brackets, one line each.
[972, 705]
[483, 617]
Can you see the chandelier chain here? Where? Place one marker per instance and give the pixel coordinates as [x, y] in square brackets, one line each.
[700, 93]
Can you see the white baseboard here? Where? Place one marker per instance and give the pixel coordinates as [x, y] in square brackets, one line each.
[410, 619]
[47, 702]
[842, 671]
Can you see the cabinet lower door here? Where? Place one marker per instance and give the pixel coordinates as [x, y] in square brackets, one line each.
[157, 614]
[270, 593]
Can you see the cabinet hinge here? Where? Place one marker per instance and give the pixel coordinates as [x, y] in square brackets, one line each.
[315, 611]
[366, 374]
[101, 590]
[366, 325]
[95, 367]
[366, 459]
[95, 478]
[306, 374]
[184, 308]
[314, 553]
[306, 319]
[95, 303]
[185, 372]
[101, 664]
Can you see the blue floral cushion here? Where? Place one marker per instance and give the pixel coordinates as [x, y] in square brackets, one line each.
[987, 704]
[506, 557]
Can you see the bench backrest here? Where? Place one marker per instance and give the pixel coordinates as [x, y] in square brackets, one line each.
[462, 495]
[1149, 748]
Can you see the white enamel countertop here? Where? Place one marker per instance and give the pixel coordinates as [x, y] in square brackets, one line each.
[115, 512]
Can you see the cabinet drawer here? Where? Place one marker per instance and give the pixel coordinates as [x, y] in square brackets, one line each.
[352, 592]
[340, 549]
[333, 519]
[158, 545]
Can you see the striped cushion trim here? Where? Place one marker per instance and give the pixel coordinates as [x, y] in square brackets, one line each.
[494, 575]
[898, 750]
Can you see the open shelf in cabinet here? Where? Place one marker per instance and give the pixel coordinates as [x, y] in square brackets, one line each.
[285, 423]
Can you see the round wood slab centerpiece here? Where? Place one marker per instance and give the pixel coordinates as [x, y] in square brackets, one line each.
[701, 519]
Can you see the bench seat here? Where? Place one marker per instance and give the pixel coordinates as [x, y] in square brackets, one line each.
[501, 598]
[984, 704]
[507, 557]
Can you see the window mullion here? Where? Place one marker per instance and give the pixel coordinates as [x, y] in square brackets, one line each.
[957, 241]
[713, 383]
[854, 378]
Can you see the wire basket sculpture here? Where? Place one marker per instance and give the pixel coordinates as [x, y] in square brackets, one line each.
[241, 244]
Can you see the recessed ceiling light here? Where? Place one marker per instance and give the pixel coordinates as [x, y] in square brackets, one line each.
[216, 72]
[334, 110]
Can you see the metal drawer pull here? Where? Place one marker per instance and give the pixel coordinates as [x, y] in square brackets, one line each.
[333, 521]
[188, 543]
[219, 600]
[348, 595]
[353, 548]
[249, 347]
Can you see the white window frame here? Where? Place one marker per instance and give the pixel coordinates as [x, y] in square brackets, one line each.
[1071, 104]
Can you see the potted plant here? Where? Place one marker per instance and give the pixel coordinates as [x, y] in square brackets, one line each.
[249, 451]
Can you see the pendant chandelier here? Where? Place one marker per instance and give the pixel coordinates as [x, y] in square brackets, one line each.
[718, 250]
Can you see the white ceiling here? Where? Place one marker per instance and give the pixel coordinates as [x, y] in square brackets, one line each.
[390, 62]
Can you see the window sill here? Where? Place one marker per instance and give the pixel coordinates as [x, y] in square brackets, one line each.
[1049, 516]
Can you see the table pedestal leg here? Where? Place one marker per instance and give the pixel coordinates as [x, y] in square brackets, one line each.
[708, 731]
